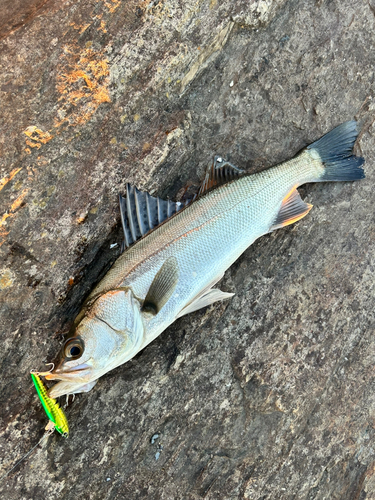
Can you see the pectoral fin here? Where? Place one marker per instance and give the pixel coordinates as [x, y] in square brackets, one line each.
[293, 208]
[208, 298]
[162, 287]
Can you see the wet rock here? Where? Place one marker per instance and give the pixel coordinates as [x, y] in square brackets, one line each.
[269, 395]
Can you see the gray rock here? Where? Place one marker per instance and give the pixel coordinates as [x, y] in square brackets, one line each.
[268, 396]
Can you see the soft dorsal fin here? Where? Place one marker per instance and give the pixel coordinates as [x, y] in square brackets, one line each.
[219, 173]
[293, 208]
[162, 286]
[141, 212]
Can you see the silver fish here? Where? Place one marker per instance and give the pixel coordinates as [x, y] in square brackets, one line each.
[178, 253]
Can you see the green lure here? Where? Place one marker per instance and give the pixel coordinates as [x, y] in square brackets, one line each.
[56, 414]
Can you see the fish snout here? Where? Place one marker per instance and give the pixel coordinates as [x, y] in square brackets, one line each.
[79, 373]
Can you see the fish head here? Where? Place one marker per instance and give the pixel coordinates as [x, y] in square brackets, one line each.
[107, 334]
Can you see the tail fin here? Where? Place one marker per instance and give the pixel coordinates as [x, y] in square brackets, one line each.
[335, 152]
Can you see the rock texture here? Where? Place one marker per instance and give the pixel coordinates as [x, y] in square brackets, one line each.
[268, 396]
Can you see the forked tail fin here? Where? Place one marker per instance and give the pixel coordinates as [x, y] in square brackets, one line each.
[335, 151]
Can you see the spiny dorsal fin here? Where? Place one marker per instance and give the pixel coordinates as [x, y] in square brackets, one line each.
[141, 212]
[162, 286]
[293, 208]
[219, 173]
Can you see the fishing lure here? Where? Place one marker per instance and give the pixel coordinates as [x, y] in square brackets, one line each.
[52, 408]
[56, 415]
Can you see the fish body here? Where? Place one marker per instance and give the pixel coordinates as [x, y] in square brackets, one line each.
[172, 270]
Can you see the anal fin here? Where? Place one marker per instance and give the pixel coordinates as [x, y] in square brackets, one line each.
[293, 208]
[204, 300]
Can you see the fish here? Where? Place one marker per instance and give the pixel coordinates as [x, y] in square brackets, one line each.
[175, 253]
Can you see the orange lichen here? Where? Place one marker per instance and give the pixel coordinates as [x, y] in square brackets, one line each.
[3, 235]
[112, 5]
[36, 137]
[4, 181]
[6, 279]
[37, 134]
[83, 85]
[81, 218]
[33, 144]
[9, 213]
[79, 27]
[102, 27]
[84, 28]
[41, 161]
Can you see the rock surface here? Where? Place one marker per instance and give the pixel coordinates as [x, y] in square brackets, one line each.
[268, 396]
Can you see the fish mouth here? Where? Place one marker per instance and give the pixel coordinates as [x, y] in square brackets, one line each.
[65, 388]
[77, 374]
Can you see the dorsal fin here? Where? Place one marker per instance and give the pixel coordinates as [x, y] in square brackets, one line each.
[141, 212]
[219, 173]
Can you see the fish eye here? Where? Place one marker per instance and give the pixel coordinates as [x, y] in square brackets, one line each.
[73, 348]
